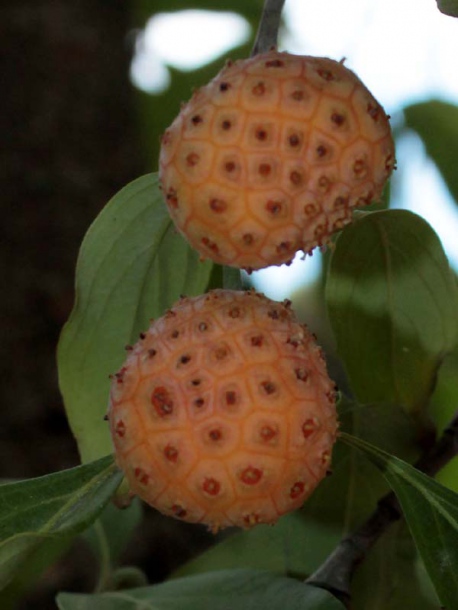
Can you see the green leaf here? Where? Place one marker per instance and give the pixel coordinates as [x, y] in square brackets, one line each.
[132, 266]
[443, 408]
[436, 122]
[401, 583]
[392, 575]
[41, 510]
[448, 7]
[109, 536]
[32, 567]
[226, 590]
[112, 532]
[292, 547]
[431, 511]
[393, 306]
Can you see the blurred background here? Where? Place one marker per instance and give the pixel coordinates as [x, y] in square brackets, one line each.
[88, 88]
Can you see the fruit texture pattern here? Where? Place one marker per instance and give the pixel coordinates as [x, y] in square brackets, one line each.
[224, 413]
[271, 157]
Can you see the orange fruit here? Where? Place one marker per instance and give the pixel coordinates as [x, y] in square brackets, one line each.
[271, 157]
[224, 413]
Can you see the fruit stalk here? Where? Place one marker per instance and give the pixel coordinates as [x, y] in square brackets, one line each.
[267, 33]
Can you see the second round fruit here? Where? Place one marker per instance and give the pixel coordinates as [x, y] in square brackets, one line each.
[271, 157]
[223, 412]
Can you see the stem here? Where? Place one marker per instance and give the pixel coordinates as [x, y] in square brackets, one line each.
[336, 573]
[267, 34]
[105, 557]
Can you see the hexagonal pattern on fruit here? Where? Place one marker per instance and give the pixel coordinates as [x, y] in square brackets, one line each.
[269, 145]
[223, 412]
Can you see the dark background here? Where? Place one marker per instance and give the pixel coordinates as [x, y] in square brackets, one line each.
[69, 137]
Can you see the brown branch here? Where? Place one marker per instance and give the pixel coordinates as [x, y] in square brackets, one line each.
[267, 34]
[336, 573]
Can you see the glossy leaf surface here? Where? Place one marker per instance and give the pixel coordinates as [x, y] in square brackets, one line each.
[393, 307]
[39, 511]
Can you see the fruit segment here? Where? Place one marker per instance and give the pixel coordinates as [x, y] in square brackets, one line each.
[223, 412]
[271, 157]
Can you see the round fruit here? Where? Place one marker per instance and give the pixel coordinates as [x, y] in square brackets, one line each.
[224, 413]
[272, 156]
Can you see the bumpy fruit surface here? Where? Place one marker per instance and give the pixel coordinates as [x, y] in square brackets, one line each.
[272, 156]
[224, 413]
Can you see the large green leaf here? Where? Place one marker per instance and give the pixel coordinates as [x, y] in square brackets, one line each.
[132, 266]
[436, 122]
[393, 306]
[431, 511]
[39, 511]
[448, 7]
[226, 590]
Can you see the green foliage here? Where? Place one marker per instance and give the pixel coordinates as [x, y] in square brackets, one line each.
[110, 535]
[132, 266]
[50, 510]
[431, 511]
[448, 7]
[244, 589]
[443, 407]
[393, 302]
[436, 122]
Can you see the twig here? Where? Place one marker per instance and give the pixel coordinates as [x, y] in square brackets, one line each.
[267, 34]
[336, 573]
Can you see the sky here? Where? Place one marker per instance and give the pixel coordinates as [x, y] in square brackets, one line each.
[403, 50]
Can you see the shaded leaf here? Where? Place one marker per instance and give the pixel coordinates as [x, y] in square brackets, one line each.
[132, 266]
[442, 409]
[436, 122]
[54, 506]
[392, 576]
[32, 567]
[431, 511]
[294, 546]
[393, 306]
[109, 536]
[448, 7]
[224, 590]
